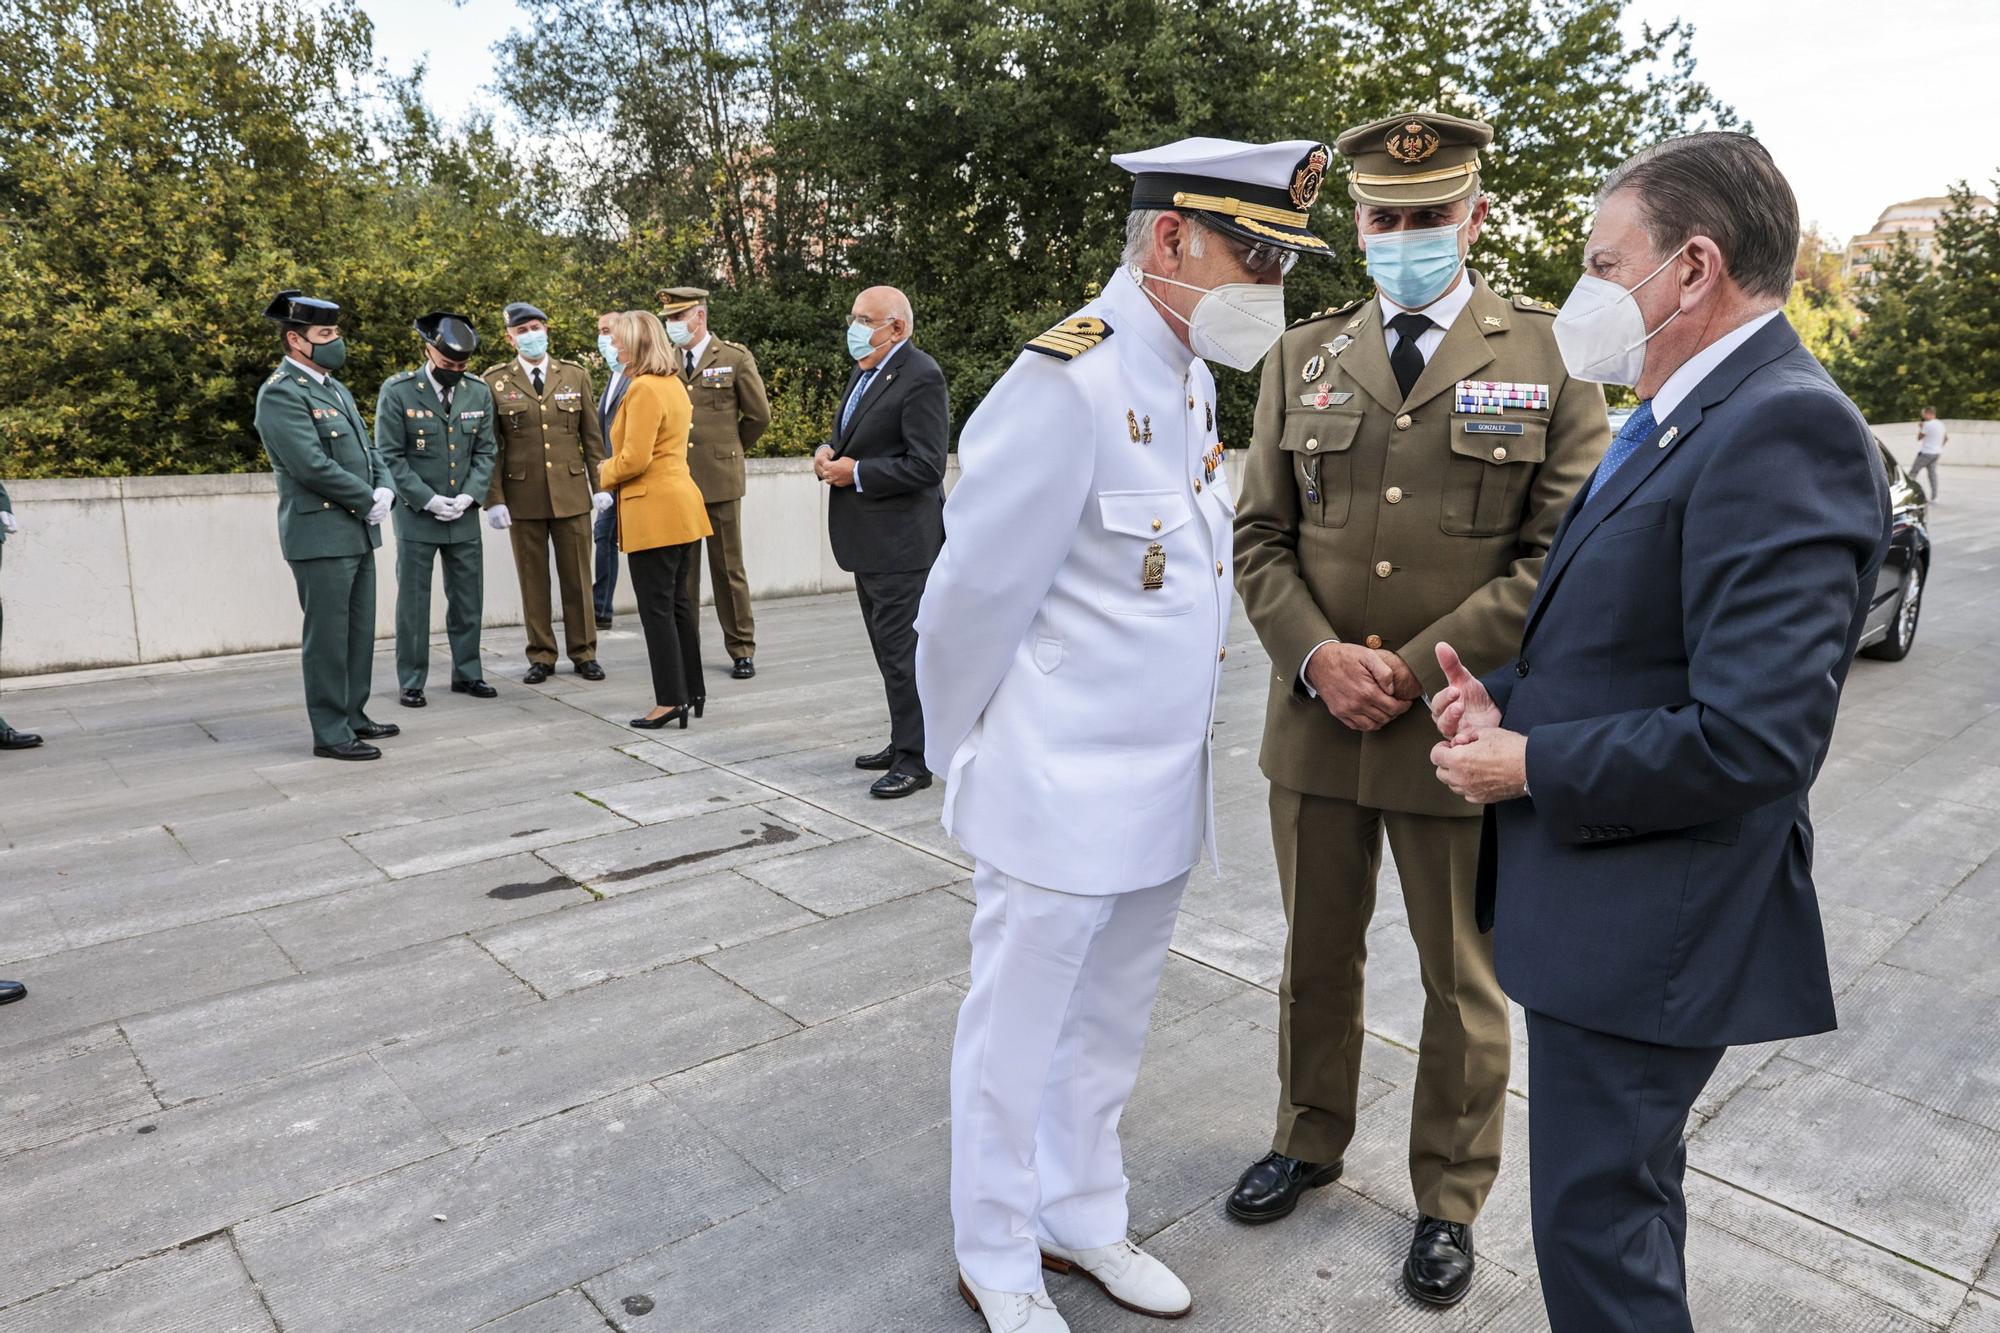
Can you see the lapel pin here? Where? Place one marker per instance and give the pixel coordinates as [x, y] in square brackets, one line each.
[1668, 438]
[1491, 321]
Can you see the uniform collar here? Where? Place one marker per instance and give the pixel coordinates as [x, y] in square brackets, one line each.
[1133, 311]
[695, 351]
[547, 367]
[319, 376]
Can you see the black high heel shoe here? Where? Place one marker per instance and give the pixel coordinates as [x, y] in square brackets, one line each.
[697, 702]
[679, 715]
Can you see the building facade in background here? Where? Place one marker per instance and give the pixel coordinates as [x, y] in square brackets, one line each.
[1915, 218]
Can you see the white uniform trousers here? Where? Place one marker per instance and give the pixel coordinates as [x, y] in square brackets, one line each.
[1048, 1047]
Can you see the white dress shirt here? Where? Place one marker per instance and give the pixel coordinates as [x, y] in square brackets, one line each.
[319, 376]
[1697, 367]
[529, 368]
[692, 353]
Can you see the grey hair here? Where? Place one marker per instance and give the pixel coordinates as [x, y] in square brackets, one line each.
[1139, 234]
[1722, 185]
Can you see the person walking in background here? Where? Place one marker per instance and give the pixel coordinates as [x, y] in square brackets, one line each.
[10, 739]
[545, 488]
[434, 430]
[333, 493]
[885, 509]
[660, 513]
[1931, 440]
[604, 530]
[730, 412]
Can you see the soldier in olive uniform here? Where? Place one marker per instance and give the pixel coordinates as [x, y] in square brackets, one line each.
[730, 412]
[545, 490]
[1412, 456]
[434, 430]
[333, 494]
[11, 739]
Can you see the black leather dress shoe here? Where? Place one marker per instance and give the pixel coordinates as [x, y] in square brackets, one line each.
[537, 673]
[879, 761]
[412, 699]
[1439, 1269]
[351, 750]
[604, 622]
[1270, 1189]
[895, 786]
[11, 739]
[478, 689]
[377, 731]
[743, 669]
[590, 670]
[11, 991]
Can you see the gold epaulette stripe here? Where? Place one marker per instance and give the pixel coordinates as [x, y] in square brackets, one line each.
[1071, 338]
[1239, 208]
[1419, 177]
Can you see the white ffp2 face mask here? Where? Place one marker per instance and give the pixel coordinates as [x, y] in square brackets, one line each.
[1601, 332]
[1235, 323]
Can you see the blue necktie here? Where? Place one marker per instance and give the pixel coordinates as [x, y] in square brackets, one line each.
[854, 399]
[1637, 427]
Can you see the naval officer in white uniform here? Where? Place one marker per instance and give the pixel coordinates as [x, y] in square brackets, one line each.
[1070, 641]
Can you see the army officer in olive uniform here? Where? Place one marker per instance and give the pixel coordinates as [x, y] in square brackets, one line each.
[1412, 456]
[434, 430]
[333, 493]
[545, 488]
[730, 412]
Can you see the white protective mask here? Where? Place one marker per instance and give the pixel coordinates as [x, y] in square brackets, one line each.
[1235, 323]
[1601, 332]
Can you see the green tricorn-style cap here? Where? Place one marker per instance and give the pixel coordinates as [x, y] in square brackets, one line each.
[297, 310]
[1420, 157]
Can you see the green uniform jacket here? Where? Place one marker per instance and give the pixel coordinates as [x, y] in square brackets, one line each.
[730, 412]
[431, 452]
[1429, 524]
[549, 446]
[327, 470]
[6, 507]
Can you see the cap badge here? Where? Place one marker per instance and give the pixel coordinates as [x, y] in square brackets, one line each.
[1412, 142]
[1309, 176]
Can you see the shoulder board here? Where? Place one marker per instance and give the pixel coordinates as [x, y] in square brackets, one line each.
[1071, 338]
[402, 375]
[496, 368]
[738, 346]
[573, 365]
[1530, 303]
[1331, 311]
[277, 377]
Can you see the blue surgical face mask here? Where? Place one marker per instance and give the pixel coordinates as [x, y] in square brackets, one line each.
[860, 340]
[678, 332]
[533, 345]
[608, 350]
[1415, 268]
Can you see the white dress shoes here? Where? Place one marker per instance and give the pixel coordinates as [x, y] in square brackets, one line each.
[1129, 1276]
[1013, 1311]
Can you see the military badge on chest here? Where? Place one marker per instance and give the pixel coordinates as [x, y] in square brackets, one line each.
[1153, 573]
[1321, 396]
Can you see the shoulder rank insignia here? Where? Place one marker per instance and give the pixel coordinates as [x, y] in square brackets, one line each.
[1071, 338]
[1530, 303]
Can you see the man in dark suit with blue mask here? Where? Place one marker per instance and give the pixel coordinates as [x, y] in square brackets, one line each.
[604, 528]
[1644, 761]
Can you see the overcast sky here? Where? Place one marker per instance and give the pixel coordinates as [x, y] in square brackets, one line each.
[1862, 102]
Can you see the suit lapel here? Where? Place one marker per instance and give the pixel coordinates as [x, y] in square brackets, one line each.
[876, 388]
[1366, 360]
[1464, 348]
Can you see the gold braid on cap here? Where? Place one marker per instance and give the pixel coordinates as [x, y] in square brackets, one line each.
[1237, 208]
[1418, 178]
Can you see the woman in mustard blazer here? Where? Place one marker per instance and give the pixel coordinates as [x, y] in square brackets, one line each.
[661, 517]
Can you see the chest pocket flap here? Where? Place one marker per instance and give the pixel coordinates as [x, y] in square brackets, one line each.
[1310, 432]
[1148, 514]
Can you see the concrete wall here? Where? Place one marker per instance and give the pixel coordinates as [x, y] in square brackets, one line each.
[1973, 443]
[128, 570]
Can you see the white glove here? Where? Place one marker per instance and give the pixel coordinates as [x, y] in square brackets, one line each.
[7, 521]
[384, 497]
[497, 518]
[463, 501]
[600, 501]
[442, 506]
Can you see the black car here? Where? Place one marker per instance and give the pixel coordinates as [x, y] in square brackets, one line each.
[1899, 588]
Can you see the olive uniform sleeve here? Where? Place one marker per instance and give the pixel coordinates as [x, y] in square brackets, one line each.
[1280, 606]
[392, 446]
[594, 450]
[496, 493]
[285, 425]
[1486, 627]
[753, 405]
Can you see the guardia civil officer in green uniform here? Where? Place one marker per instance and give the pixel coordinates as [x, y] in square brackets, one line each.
[333, 494]
[434, 430]
[11, 739]
[545, 488]
[731, 411]
[1412, 455]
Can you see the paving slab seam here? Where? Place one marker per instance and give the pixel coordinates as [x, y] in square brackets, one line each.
[498, 855]
[1926, 1107]
[532, 987]
[143, 1257]
[256, 1287]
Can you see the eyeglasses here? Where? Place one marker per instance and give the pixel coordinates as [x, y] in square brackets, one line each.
[1257, 256]
[868, 321]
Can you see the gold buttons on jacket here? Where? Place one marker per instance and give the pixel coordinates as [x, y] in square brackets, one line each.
[326, 504]
[548, 465]
[1383, 569]
[1500, 454]
[1221, 655]
[1156, 525]
[1373, 641]
[1218, 569]
[1394, 495]
[1312, 444]
[1403, 421]
[1197, 486]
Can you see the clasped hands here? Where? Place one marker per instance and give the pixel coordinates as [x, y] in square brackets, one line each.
[833, 471]
[1478, 759]
[448, 507]
[1365, 688]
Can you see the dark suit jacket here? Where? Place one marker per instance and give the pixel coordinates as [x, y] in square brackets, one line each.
[607, 402]
[898, 435]
[1678, 678]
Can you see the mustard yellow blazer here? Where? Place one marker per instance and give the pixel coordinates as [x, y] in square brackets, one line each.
[658, 503]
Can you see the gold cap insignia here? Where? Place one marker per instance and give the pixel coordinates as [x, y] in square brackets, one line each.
[1309, 176]
[1411, 142]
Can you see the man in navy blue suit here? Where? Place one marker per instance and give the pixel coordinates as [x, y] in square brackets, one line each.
[1647, 865]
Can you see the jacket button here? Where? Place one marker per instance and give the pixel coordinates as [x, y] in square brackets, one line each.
[548, 465]
[1373, 641]
[1156, 525]
[1221, 655]
[1500, 454]
[1521, 667]
[1312, 444]
[326, 504]
[1218, 569]
[1403, 421]
[1394, 495]
[1383, 569]
[1197, 486]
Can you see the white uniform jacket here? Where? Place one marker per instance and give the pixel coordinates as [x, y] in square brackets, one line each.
[1069, 704]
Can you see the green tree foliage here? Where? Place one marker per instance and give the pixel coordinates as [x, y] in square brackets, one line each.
[1821, 307]
[1929, 336]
